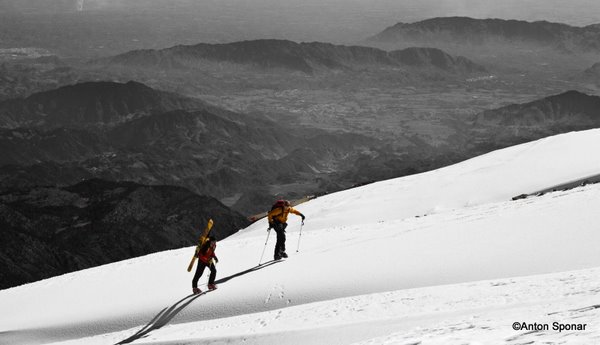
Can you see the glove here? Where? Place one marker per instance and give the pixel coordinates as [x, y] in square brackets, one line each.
[270, 226]
[216, 259]
[303, 217]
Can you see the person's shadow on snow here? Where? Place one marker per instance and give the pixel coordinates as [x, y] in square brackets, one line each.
[250, 270]
[167, 314]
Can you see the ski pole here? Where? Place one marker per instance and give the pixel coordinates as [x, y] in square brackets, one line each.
[265, 247]
[299, 236]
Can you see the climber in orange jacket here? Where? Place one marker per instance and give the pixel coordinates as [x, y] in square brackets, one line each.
[277, 220]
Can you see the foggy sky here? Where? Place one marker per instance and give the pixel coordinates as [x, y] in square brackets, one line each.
[163, 23]
[575, 12]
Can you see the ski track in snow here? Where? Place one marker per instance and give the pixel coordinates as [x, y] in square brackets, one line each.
[467, 313]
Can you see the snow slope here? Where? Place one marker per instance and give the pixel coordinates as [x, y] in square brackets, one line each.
[430, 258]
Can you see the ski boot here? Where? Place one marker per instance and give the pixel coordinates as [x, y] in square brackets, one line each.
[196, 291]
[212, 286]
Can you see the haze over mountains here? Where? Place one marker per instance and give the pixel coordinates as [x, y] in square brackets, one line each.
[545, 50]
[461, 30]
[107, 27]
[183, 70]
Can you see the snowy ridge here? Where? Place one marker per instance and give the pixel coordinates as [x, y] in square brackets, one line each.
[373, 267]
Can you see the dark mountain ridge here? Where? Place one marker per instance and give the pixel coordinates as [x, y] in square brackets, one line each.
[569, 108]
[517, 123]
[177, 134]
[302, 57]
[47, 231]
[423, 57]
[480, 31]
[89, 104]
[199, 150]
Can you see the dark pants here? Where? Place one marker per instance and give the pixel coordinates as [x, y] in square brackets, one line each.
[200, 269]
[280, 231]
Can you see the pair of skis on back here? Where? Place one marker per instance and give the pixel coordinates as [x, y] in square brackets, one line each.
[203, 236]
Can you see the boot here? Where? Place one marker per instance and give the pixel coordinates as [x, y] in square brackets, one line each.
[196, 291]
[212, 286]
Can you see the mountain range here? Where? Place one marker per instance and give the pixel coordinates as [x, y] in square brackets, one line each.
[238, 158]
[130, 132]
[48, 231]
[307, 58]
[457, 30]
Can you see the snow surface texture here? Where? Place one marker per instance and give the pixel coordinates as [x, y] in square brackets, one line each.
[443, 257]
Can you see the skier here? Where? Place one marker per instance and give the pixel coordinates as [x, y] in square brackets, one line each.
[206, 255]
[277, 220]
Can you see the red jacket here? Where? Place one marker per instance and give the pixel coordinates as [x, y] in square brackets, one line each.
[208, 256]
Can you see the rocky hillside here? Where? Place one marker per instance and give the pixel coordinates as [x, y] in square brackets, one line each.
[592, 74]
[569, 111]
[302, 57]
[47, 231]
[210, 151]
[482, 31]
[198, 150]
[88, 104]
[424, 57]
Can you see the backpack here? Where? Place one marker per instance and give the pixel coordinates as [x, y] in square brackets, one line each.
[278, 203]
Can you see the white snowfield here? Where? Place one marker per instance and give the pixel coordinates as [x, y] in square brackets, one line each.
[443, 257]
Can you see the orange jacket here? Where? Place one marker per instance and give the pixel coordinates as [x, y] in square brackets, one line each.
[280, 214]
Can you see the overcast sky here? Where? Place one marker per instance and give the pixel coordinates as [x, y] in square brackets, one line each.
[572, 11]
[162, 23]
